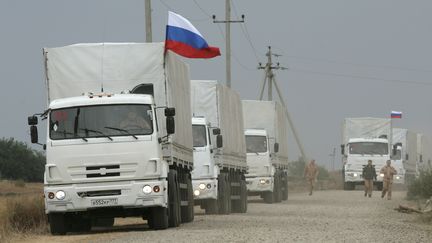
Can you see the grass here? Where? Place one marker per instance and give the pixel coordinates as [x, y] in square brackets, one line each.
[21, 210]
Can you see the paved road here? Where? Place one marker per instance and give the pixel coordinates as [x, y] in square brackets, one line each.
[327, 216]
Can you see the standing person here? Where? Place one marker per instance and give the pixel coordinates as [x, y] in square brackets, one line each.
[388, 171]
[369, 175]
[311, 174]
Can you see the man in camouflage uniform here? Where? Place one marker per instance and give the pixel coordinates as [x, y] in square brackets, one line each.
[369, 175]
[311, 175]
[388, 171]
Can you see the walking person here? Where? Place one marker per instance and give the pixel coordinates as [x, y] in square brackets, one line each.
[369, 175]
[311, 174]
[388, 171]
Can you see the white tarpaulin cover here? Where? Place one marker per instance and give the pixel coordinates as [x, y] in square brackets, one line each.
[221, 106]
[365, 127]
[409, 147]
[268, 115]
[117, 67]
[424, 152]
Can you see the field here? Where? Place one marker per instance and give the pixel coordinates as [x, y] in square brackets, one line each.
[21, 210]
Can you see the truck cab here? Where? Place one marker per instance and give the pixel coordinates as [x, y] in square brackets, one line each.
[206, 170]
[357, 152]
[398, 159]
[259, 158]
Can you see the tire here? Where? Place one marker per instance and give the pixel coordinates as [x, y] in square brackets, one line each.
[224, 194]
[379, 186]
[211, 206]
[243, 197]
[103, 222]
[57, 223]
[187, 212]
[277, 192]
[349, 186]
[284, 187]
[174, 199]
[158, 219]
[79, 223]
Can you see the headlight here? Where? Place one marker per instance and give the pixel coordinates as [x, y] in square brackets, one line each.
[202, 186]
[60, 195]
[382, 175]
[196, 192]
[262, 181]
[355, 174]
[397, 177]
[147, 189]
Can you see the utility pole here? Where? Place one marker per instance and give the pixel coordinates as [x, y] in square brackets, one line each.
[148, 20]
[228, 22]
[269, 78]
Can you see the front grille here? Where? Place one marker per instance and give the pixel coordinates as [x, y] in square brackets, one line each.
[102, 171]
[99, 193]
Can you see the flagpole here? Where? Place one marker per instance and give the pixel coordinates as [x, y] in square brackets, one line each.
[148, 21]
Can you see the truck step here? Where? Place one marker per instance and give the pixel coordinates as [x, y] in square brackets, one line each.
[235, 197]
[235, 184]
[183, 186]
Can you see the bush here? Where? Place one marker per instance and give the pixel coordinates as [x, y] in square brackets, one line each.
[20, 162]
[421, 187]
[26, 214]
[19, 183]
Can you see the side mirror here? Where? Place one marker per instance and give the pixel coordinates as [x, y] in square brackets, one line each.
[34, 134]
[342, 149]
[276, 147]
[216, 131]
[170, 125]
[169, 111]
[219, 141]
[32, 120]
[406, 157]
[394, 150]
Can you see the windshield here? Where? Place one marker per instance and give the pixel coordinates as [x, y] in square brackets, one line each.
[199, 135]
[256, 144]
[101, 121]
[398, 155]
[368, 148]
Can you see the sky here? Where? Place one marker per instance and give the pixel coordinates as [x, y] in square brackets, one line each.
[345, 58]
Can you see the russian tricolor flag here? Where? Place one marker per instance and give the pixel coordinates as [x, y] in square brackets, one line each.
[396, 114]
[184, 39]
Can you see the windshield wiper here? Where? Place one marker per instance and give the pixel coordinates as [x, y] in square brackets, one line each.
[122, 130]
[95, 131]
[69, 133]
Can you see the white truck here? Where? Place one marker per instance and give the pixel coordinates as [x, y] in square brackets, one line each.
[364, 139]
[424, 153]
[219, 170]
[116, 153]
[266, 130]
[404, 157]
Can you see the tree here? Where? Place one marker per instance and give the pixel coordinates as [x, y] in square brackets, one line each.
[18, 161]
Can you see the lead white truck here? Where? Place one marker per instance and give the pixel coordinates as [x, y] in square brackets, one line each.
[364, 139]
[112, 148]
[266, 133]
[424, 153]
[404, 157]
[219, 170]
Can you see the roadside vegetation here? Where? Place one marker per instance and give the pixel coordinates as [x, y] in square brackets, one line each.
[421, 187]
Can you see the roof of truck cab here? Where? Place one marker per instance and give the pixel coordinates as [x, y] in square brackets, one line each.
[256, 132]
[375, 140]
[104, 99]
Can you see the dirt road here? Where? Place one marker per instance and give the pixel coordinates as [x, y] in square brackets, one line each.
[327, 216]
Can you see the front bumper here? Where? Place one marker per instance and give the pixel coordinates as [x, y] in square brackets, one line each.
[131, 195]
[210, 190]
[254, 184]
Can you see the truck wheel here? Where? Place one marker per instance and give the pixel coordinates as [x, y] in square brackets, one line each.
[277, 192]
[158, 219]
[224, 194]
[243, 197]
[103, 222]
[379, 186]
[78, 223]
[268, 197]
[284, 187]
[187, 212]
[348, 186]
[57, 223]
[211, 206]
[174, 199]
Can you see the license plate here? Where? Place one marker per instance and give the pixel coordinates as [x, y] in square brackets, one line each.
[104, 202]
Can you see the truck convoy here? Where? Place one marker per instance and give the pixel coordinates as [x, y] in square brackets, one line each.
[267, 149]
[404, 157]
[424, 154]
[116, 153]
[364, 139]
[219, 170]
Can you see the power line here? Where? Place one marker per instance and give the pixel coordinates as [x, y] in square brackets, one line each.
[168, 7]
[246, 33]
[360, 77]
